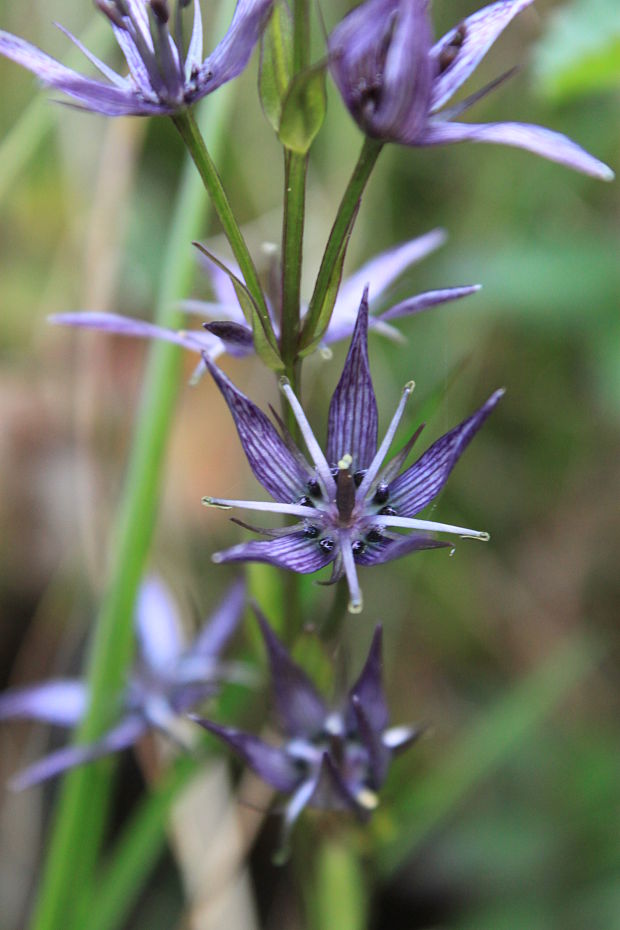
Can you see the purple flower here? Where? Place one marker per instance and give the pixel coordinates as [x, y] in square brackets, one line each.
[166, 682]
[164, 76]
[348, 503]
[232, 334]
[396, 82]
[334, 759]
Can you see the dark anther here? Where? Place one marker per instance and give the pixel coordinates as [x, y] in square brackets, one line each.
[112, 12]
[382, 493]
[305, 501]
[358, 477]
[311, 531]
[388, 512]
[358, 547]
[449, 53]
[160, 9]
[374, 536]
[314, 487]
[327, 544]
[334, 470]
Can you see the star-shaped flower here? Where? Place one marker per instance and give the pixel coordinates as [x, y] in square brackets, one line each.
[332, 758]
[396, 82]
[349, 504]
[165, 75]
[231, 333]
[166, 682]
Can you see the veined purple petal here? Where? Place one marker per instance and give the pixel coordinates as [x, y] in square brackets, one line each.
[293, 551]
[468, 43]
[369, 686]
[353, 421]
[300, 708]
[124, 734]
[551, 145]
[389, 549]
[378, 753]
[269, 762]
[270, 460]
[194, 340]
[221, 626]
[137, 68]
[62, 702]
[407, 75]
[232, 54]
[379, 273]
[101, 66]
[194, 51]
[158, 625]
[29, 56]
[419, 484]
[428, 299]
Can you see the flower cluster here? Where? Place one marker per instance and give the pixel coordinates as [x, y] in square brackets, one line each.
[333, 758]
[348, 503]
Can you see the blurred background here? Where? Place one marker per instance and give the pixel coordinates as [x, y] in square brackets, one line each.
[507, 815]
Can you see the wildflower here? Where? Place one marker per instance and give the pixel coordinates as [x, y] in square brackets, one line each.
[334, 759]
[349, 504]
[396, 82]
[164, 76]
[166, 682]
[231, 333]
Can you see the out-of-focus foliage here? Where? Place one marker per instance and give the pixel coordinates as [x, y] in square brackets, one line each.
[523, 838]
[580, 52]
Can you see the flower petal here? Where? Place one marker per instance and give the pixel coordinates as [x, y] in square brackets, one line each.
[62, 702]
[368, 688]
[331, 791]
[419, 484]
[158, 626]
[269, 762]
[270, 460]
[194, 51]
[101, 66]
[232, 54]
[300, 708]
[193, 340]
[353, 422]
[378, 753]
[475, 35]
[428, 299]
[221, 625]
[293, 551]
[551, 145]
[378, 273]
[124, 734]
[388, 549]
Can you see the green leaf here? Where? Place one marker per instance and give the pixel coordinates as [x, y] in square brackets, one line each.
[303, 110]
[580, 51]
[276, 63]
[265, 343]
[310, 340]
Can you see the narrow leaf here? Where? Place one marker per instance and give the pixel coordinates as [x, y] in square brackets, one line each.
[276, 63]
[303, 110]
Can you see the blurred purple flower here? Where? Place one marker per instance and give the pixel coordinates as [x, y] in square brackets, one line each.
[395, 81]
[348, 503]
[230, 333]
[166, 682]
[163, 76]
[334, 759]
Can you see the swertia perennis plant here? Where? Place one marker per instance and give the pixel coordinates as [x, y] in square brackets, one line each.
[349, 503]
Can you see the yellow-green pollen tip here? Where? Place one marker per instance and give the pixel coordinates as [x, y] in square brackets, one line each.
[345, 462]
[367, 799]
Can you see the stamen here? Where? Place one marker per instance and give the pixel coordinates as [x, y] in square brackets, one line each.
[345, 489]
[316, 453]
[376, 463]
[356, 602]
[411, 523]
[295, 510]
[367, 799]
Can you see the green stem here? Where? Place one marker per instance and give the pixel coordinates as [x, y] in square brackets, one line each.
[84, 800]
[292, 253]
[194, 141]
[341, 891]
[339, 232]
[301, 35]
